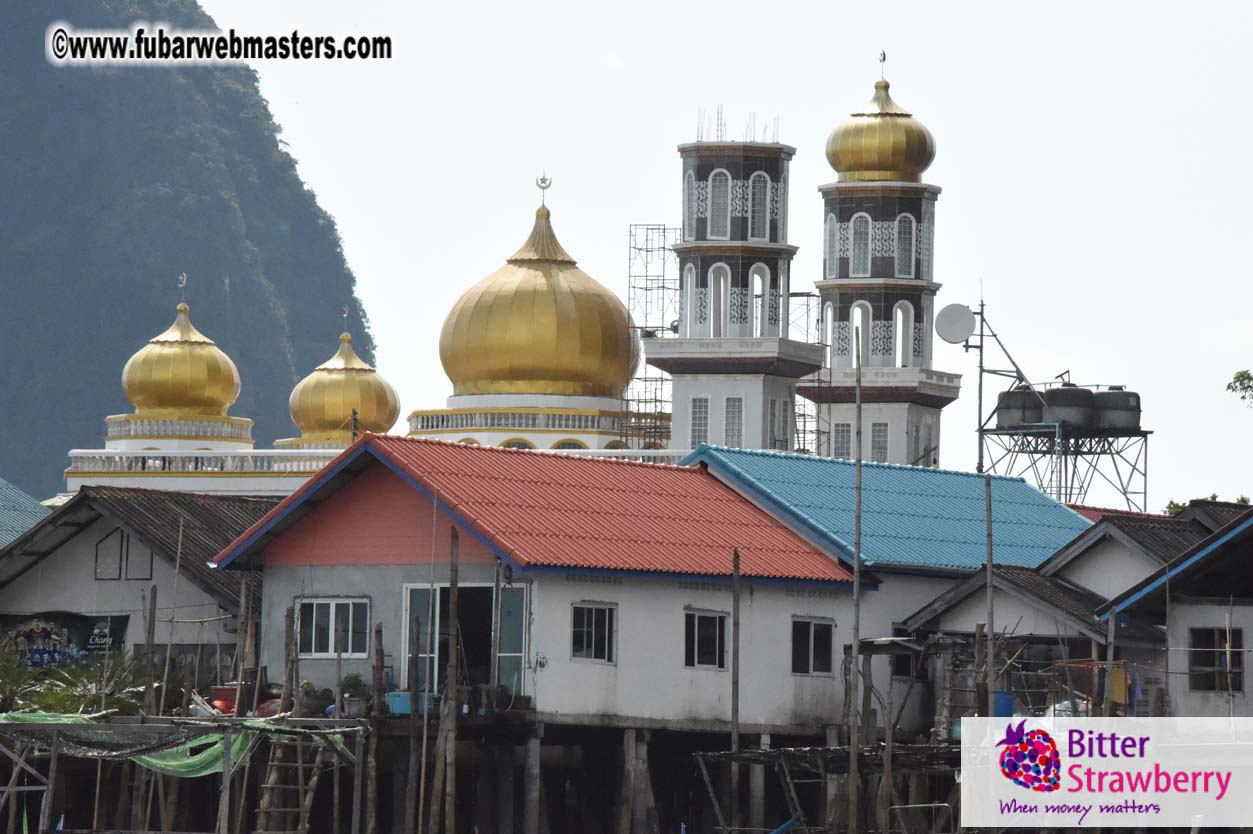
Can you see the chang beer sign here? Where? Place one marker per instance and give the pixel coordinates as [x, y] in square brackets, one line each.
[56, 638]
[1106, 772]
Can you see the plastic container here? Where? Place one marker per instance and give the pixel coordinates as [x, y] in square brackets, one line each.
[398, 702]
[1002, 703]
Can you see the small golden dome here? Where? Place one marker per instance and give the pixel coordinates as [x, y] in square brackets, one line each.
[322, 403]
[539, 325]
[181, 373]
[882, 143]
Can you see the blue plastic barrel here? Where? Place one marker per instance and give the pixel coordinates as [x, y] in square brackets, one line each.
[1003, 704]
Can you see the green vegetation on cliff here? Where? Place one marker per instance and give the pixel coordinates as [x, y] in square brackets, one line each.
[112, 182]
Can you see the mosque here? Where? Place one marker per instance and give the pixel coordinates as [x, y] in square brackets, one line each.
[541, 355]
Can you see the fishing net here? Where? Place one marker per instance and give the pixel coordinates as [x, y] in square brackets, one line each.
[182, 750]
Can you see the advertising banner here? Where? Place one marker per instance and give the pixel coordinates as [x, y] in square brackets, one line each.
[1106, 772]
[55, 638]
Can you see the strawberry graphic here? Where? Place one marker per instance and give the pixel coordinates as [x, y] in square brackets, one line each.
[1030, 759]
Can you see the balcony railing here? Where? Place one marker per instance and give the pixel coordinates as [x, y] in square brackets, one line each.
[121, 426]
[198, 462]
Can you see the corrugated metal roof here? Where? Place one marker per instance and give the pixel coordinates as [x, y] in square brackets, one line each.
[1095, 514]
[1162, 538]
[547, 509]
[18, 512]
[911, 516]
[209, 522]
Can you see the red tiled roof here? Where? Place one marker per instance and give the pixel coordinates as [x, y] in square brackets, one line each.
[1095, 514]
[571, 511]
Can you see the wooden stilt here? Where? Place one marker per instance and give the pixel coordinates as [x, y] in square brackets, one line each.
[531, 787]
[626, 804]
[452, 693]
[757, 789]
[417, 769]
[644, 806]
[505, 790]
[485, 793]
[372, 754]
[45, 810]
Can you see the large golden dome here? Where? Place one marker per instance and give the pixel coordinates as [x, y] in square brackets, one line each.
[881, 143]
[322, 403]
[181, 373]
[539, 325]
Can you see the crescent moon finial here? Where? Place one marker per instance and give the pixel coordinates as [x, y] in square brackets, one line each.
[543, 182]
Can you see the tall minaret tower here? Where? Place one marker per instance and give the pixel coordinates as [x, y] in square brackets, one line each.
[878, 264]
[733, 368]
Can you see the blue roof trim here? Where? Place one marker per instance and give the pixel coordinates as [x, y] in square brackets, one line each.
[916, 518]
[1172, 570]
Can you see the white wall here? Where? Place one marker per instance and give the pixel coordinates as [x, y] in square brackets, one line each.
[755, 389]
[1011, 614]
[1108, 568]
[1185, 616]
[65, 581]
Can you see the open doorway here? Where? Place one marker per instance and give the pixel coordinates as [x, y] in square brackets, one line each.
[474, 617]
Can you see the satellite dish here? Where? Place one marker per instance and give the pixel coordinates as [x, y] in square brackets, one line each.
[955, 323]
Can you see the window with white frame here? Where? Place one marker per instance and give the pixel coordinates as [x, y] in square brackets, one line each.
[332, 626]
[593, 632]
[878, 442]
[830, 248]
[1216, 660]
[733, 434]
[842, 440]
[905, 230]
[689, 206]
[700, 420]
[772, 424]
[859, 262]
[720, 205]
[758, 206]
[813, 646]
[704, 642]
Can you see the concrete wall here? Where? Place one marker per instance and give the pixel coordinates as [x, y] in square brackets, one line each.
[1108, 568]
[1011, 614]
[65, 581]
[756, 390]
[1183, 617]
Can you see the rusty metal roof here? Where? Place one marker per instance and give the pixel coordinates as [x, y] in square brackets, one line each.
[554, 510]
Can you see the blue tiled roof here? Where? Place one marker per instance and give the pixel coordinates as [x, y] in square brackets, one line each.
[18, 512]
[911, 516]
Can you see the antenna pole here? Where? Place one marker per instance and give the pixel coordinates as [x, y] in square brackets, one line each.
[854, 672]
[979, 413]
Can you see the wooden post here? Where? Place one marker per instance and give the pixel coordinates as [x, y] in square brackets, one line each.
[412, 813]
[644, 811]
[981, 664]
[298, 691]
[289, 647]
[735, 685]
[358, 750]
[757, 789]
[45, 808]
[531, 786]
[241, 643]
[990, 634]
[224, 801]
[854, 734]
[485, 794]
[150, 639]
[494, 673]
[340, 634]
[372, 762]
[453, 692]
[626, 806]
[1109, 665]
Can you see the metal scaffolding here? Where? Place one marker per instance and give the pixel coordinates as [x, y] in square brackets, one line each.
[653, 302]
[813, 421]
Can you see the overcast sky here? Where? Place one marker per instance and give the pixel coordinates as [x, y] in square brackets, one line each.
[1094, 160]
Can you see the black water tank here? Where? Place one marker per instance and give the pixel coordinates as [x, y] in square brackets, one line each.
[1016, 407]
[1069, 404]
[1117, 410]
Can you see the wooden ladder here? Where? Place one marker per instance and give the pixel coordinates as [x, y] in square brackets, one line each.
[291, 783]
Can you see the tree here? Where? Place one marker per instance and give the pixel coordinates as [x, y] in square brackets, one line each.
[1174, 507]
[1242, 386]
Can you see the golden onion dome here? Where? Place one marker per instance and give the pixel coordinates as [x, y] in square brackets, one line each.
[881, 143]
[181, 373]
[322, 403]
[539, 325]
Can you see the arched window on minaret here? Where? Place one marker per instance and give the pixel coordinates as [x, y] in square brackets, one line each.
[859, 262]
[720, 205]
[860, 320]
[765, 301]
[719, 289]
[700, 307]
[689, 206]
[740, 306]
[905, 232]
[903, 329]
[687, 291]
[830, 249]
[828, 333]
[759, 206]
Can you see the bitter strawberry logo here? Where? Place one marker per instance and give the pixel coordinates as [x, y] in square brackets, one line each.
[1030, 759]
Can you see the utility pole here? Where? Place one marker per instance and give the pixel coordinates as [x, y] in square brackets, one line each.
[990, 634]
[854, 731]
[735, 685]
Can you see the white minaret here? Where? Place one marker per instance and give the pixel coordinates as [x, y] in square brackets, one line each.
[734, 370]
[878, 234]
